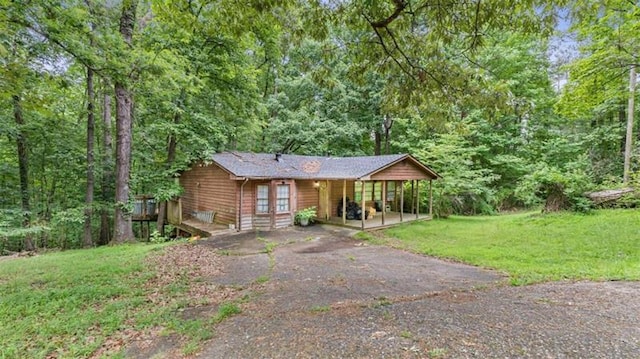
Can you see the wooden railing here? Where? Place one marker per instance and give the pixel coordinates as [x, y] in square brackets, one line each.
[144, 208]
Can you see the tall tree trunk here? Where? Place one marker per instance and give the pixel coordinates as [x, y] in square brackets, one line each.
[107, 171]
[88, 210]
[629, 140]
[377, 136]
[123, 226]
[622, 119]
[388, 123]
[124, 98]
[23, 164]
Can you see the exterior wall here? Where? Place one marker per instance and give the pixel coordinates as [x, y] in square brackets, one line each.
[283, 220]
[209, 188]
[404, 170]
[307, 194]
[248, 204]
[335, 194]
[261, 220]
[266, 221]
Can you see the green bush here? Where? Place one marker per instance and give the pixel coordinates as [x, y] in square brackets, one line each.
[558, 189]
[307, 213]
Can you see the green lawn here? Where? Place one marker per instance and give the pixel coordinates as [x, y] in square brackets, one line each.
[68, 303]
[529, 247]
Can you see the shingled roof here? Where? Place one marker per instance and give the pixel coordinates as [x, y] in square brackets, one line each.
[266, 165]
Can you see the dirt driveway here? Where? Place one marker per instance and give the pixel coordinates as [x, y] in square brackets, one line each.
[327, 295]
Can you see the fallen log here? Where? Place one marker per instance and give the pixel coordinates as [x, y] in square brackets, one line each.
[609, 195]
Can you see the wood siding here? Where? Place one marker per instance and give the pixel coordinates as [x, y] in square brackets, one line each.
[270, 220]
[283, 220]
[209, 188]
[403, 170]
[262, 222]
[335, 194]
[307, 195]
[248, 204]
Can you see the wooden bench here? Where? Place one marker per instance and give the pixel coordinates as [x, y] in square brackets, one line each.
[204, 216]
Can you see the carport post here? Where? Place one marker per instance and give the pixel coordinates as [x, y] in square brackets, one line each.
[413, 196]
[417, 199]
[431, 198]
[401, 200]
[384, 199]
[344, 202]
[327, 209]
[362, 208]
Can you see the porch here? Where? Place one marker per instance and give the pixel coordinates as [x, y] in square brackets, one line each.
[390, 219]
[377, 203]
[199, 228]
[197, 223]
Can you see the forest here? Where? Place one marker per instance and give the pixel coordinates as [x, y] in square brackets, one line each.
[516, 103]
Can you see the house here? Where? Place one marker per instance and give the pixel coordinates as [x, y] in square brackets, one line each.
[257, 191]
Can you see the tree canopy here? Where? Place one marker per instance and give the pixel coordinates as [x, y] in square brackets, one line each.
[103, 100]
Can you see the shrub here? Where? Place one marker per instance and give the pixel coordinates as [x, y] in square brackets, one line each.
[558, 189]
[307, 213]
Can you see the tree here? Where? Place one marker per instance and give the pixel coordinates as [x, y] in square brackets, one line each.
[123, 230]
[88, 235]
[597, 87]
[107, 179]
[23, 160]
[628, 144]
[414, 41]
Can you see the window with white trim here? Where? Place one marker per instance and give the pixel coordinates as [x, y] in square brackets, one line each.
[262, 198]
[282, 198]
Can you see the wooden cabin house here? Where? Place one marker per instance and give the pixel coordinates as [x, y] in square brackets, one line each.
[255, 191]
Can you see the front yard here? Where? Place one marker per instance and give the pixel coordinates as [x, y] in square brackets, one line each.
[98, 302]
[530, 247]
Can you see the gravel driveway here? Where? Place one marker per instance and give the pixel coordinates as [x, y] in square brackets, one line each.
[327, 295]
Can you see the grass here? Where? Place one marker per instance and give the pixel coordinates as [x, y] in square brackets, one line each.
[532, 247]
[66, 304]
[262, 279]
[320, 308]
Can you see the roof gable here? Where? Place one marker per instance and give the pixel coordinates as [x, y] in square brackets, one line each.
[263, 165]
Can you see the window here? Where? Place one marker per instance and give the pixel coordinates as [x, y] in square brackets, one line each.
[282, 198]
[262, 198]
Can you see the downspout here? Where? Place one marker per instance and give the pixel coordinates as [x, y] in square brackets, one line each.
[241, 203]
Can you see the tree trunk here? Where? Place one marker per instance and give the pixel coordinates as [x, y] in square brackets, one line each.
[23, 164]
[88, 210]
[378, 143]
[388, 122]
[107, 172]
[629, 139]
[123, 226]
[124, 99]
[556, 200]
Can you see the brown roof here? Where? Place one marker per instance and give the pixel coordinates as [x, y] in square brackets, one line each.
[265, 165]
